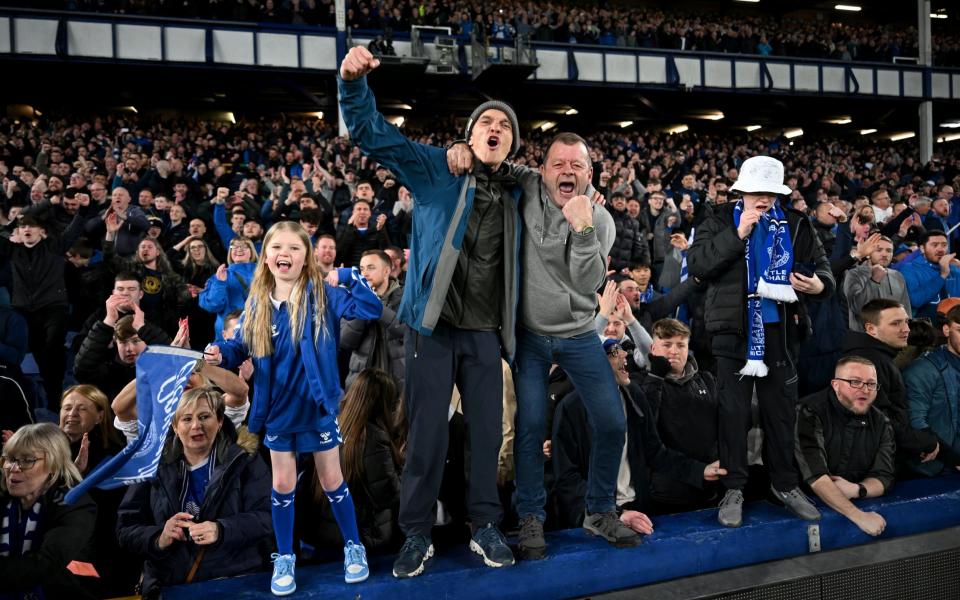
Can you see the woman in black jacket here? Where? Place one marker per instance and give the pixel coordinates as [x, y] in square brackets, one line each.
[198, 265]
[39, 534]
[207, 512]
[370, 458]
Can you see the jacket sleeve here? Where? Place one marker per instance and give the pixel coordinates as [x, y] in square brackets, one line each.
[883, 463]
[378, 461]
[137, 219]
[233, 352]
[670, 275]
[921, 381]
[93, 360]
[222, 226]
[213, 296]
[68, 529]
[351, 333]
[715, 248]
[858, 289]
[358, 302]
[641, 338]
[667, 304]
[137, 530]
[395, 327]
[641, 249]
[588, 267]
[254, 522]
[417, 165]
[923, 283]
[569, 451]
[810, 452]
[819, 258]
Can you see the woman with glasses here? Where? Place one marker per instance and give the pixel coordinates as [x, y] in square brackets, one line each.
[227, 289]
[207, 512]
[39, 534]
[198, 265]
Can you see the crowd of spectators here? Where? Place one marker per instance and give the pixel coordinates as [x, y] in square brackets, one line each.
[113, 230]
[599, 23]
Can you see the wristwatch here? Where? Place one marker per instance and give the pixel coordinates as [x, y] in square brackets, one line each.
[861, 491]
[585, 231]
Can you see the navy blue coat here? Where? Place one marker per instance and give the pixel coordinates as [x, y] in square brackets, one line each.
[237, 497]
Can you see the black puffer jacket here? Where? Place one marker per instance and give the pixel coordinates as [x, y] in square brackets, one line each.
[373, 342]
[630, 244]
[717, 257]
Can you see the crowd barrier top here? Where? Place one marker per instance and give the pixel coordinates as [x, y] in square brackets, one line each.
[682, 545]
[81, 37]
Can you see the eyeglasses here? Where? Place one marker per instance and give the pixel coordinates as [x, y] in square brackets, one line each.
[23, 464]
[614, 349]
[857, 384]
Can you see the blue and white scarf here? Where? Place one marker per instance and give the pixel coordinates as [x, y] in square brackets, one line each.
[647, 295]
[19, 529]
[769, 255]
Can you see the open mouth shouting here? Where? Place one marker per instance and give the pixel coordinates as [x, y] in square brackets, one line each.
[567, 188]
[284, 266]
[493, 141]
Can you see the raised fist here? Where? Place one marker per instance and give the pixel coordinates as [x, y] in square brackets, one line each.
[357, 63]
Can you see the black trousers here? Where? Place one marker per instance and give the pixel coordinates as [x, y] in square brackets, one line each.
[47, 332]
[471, 360]
[777, 398]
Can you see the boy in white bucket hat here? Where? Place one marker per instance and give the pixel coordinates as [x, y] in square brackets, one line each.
[758, 259]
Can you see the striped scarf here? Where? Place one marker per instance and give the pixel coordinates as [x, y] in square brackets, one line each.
[19, 530]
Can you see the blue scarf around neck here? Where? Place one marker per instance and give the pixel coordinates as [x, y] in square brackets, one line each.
[769, 256]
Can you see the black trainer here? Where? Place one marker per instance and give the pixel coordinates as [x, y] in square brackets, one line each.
[609, 526]
[413, 557]
[489, 543]
[532, 544]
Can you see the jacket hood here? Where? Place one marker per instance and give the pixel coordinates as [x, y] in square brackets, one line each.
[689, 372]
[857, 340]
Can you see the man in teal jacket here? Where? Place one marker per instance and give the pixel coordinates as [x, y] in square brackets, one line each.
[460, 302]
[933, 396]
[931, 277]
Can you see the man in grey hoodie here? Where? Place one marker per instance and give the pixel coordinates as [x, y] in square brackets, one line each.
[566, 239]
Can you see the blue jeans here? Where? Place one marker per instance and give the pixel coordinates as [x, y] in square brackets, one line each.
[585, 363]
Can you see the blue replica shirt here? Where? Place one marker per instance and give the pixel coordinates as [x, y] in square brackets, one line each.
[197, 487]
[291, 408]
[297, 388]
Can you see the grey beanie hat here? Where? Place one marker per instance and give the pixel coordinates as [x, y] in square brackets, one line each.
[505, 109]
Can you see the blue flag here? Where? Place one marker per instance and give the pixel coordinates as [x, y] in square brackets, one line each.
[162, 373]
